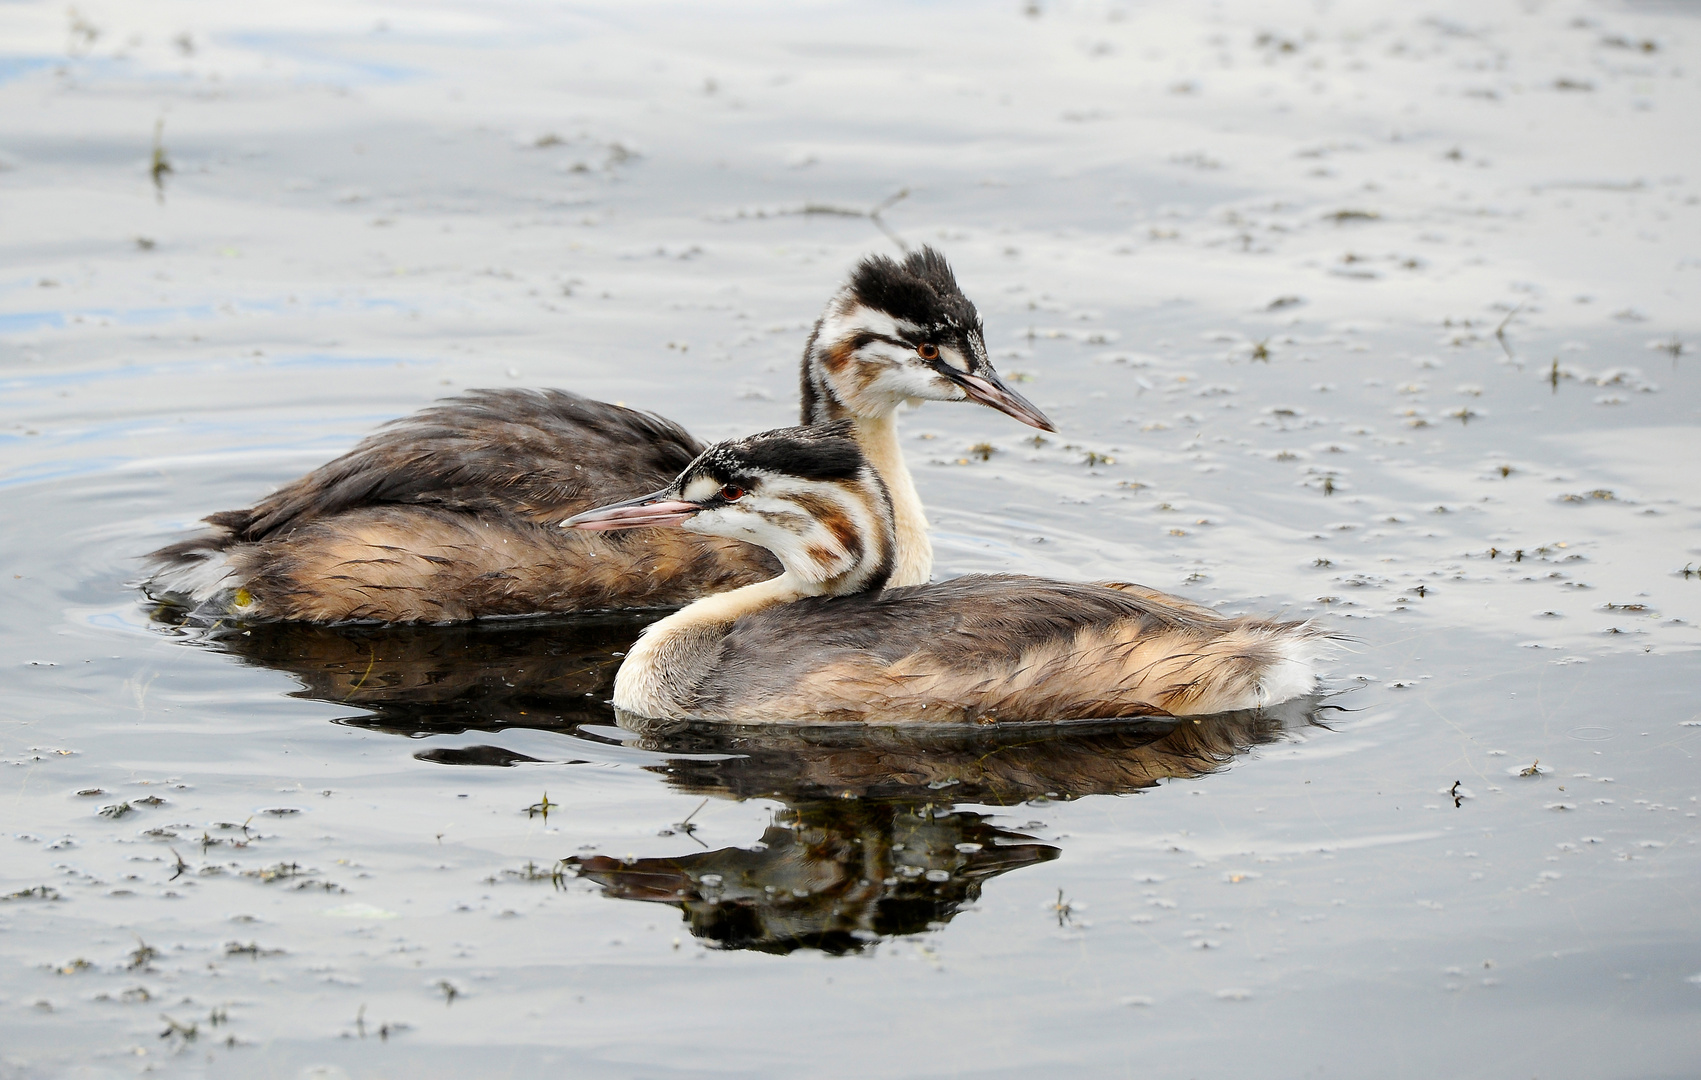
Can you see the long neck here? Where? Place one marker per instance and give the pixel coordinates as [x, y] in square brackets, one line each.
[675, 656]
[912, 562]
[820, 404]
[877, 434]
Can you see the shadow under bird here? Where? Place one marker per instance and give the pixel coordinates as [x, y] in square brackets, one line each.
[449, 514]
[829, 639]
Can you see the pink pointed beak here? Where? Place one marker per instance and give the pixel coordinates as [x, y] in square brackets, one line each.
[989, 389]
[651, 510]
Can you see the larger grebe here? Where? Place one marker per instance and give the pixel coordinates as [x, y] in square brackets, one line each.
[450, 513]
[822, 642]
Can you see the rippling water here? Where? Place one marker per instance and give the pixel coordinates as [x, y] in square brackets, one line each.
[1382, 316]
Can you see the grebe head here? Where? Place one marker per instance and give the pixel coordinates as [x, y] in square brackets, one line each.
[902, 331]
[806, 494]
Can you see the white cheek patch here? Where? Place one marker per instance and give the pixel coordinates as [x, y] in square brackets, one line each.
[733, 521]
[954, 358]
[802, 554]
[860, 318]
[700, 490]
[777, 525]
[777, 491]
[919, 380]
[789, 529]
[909, 379]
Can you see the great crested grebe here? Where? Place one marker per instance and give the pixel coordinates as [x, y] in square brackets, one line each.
[824, 642]
[450, 513]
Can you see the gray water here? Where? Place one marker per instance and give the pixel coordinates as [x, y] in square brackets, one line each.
[1378, 315]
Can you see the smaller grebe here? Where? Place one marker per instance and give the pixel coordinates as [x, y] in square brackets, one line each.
[824, 641]
[450, 514]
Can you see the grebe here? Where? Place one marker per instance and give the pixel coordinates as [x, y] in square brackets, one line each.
[824, 642]
[450, 514]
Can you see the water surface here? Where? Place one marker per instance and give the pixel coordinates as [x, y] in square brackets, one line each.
[1381, 316]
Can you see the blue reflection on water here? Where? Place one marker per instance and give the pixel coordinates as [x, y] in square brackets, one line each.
[49, 379]
[16, 67]
[317, 53]
[17, 322]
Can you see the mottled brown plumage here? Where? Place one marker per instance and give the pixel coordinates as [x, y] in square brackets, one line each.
[983, 648]
[538, 455]
[452, 513]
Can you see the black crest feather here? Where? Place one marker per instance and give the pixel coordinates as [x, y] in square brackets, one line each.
[921, 289]
[820, 452]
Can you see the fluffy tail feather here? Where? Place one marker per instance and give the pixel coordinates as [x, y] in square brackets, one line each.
[1297, 672]
[1252, 666]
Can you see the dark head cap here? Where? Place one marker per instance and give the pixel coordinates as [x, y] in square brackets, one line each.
[819, 452]
[920, 290]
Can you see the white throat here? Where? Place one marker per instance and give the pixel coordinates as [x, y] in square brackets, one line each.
[673, 655]
[913, 562]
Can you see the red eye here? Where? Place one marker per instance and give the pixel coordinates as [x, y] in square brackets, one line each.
[927, 352]
[732, 493]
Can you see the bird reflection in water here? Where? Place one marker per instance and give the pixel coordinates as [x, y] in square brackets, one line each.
[832, 875]
[551, 673]
[871, 842]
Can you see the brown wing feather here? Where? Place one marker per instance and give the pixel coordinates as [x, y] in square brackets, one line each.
[980, 648]
[423, 564]
[452, 513]
[539, 454]
[1153, 596]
